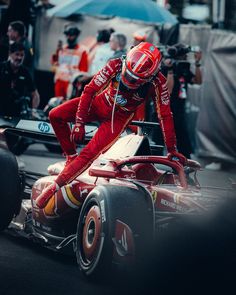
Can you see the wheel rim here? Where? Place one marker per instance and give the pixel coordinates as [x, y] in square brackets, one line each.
[91, 232]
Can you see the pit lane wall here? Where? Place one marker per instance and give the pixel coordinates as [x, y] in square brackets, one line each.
[212, 106]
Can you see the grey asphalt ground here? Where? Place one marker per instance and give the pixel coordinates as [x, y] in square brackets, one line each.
[199, 259]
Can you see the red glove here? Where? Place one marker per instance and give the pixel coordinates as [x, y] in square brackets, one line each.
[174, 155]
[77, 133]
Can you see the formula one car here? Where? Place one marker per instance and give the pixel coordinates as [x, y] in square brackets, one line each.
[110, 214]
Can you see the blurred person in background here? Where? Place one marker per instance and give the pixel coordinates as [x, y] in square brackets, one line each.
[138, 37]
[177, 70]
[18, 93]
[102, 51]
[17, 33]
[98, 56]
[150, 34]
[16, 82]
[118, 43]
[68, 61]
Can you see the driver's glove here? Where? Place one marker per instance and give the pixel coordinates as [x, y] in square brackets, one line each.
[77, 133]
[174, 155]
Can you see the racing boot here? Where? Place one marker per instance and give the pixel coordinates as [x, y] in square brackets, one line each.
[47, 193]
[56, 168]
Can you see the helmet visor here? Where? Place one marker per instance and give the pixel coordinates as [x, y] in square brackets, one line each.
[130, 80]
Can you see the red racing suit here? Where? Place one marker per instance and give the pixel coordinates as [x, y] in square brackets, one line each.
[96, 104]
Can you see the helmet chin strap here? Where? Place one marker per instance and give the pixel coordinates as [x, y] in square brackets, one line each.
[113, 108]
[117, 90]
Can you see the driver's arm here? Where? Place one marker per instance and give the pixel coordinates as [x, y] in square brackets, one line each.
[162, 105]
[168, 69]
[197, 79]
[99, 82]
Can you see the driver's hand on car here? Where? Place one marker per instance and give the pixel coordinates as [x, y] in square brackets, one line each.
[174, 155]
[78, 133]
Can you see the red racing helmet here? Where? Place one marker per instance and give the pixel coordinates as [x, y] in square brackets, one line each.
[141, 64]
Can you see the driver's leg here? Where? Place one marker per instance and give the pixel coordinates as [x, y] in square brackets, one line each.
[101, 141]
[60, 118]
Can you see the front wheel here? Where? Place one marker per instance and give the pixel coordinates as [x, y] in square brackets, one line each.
[115, 228]
[10, 191]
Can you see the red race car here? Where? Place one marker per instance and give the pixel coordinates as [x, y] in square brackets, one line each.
[110, 214]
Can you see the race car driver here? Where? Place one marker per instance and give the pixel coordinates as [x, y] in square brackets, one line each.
[111, 98]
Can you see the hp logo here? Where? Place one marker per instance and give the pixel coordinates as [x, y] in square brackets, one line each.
[44, 127]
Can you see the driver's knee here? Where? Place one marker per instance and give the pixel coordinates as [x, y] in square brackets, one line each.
[55, 115]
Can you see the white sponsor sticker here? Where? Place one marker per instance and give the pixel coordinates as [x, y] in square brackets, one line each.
[120, 100]
[36, 126]
[45, 127]
[102, 204]
[172, 205]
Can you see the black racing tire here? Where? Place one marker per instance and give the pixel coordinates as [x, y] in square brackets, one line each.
[96, 246]
[10, 188]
